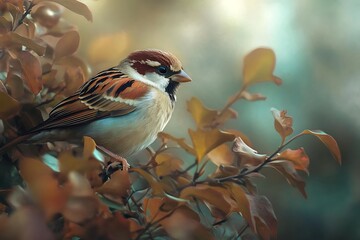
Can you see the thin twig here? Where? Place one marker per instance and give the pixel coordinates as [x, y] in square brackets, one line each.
[26, 13]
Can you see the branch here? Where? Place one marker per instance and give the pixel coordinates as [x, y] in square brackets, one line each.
[26, 13]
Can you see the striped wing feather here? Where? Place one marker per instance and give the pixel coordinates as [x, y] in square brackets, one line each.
[109, 93]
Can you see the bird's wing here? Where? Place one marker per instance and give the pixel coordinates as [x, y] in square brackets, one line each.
[109, 93]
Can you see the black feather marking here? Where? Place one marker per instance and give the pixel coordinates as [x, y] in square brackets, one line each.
[171, 89]
[123, 87]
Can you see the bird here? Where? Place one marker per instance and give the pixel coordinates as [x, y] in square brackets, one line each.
[122, 108]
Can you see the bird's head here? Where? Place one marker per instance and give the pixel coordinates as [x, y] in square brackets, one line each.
[157, 68]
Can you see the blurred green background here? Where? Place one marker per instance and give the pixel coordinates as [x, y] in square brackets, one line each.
[317, 44]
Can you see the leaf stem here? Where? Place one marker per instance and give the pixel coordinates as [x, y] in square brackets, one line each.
[232, 101]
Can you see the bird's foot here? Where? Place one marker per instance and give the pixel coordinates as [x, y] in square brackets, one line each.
[118, 160]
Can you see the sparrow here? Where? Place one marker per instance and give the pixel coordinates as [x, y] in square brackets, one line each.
[122, 108]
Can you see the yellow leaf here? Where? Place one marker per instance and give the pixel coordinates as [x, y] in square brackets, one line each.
[9, 106]
[167, 164]
[329, 142]
[205, 141]
[89, 147]
[205, 117]
[259, 66]
[165, 137]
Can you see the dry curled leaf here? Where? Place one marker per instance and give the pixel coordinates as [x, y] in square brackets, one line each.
[252, 96]
[259, 66]
[283, 123]
[117, 187]
[246, 154]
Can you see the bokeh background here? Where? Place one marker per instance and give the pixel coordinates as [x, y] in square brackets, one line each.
[317, 44]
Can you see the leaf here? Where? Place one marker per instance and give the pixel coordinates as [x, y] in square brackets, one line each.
[298, 157]
[283, 123]
[69, 163]
[222, 155]
[43, 185]
[287, 169]
[153, 209]
[89, 147]
[108, 48]
[31, 69]
[165, 137]
[206, 141]
[117, 187]
[12, 38]
[9, 106]
[156, 187]
[328, 140]
[259, 65]
[205, 117]
[246, 154]
[167, 164]
[257, 211]
[67, 44]
[252, 96]
[47, 15]
[190, 225]
[216, 196]
[73, 61]
[74, 6]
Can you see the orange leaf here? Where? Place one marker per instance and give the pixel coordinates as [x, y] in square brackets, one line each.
[31, 69]
[117, 187]
[329, 142]
[206, 141]
[259, 66]
[9, 106]
[216, 196]
[283, 123]
[153, 209]
[67, 45]
[222, 155]
[74, 6]
[288, 170]
[12, 38]
[247, 155]
[156, 187]
[298, 157]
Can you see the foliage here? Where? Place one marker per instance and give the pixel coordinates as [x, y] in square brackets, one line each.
[73, 192]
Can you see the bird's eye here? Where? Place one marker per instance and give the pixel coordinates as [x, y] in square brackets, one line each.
[162, 70]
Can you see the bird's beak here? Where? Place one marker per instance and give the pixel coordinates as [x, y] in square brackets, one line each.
[181, 77]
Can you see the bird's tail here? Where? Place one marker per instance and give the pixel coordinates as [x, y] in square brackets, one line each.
[14, 142]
